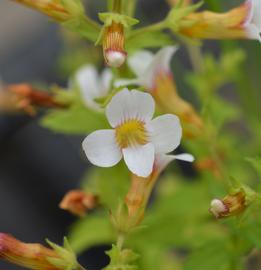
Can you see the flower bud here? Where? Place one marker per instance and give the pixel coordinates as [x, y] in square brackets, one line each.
[36, 256]
[23, 97]
[231, 205]
[32, 256]
[52, 8]
[113, 45]
[78, 202]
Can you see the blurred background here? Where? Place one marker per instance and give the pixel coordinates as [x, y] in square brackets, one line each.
[37, 167]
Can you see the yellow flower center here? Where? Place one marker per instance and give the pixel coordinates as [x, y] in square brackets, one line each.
[131, 133]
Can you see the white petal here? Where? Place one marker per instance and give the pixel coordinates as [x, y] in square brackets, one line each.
[127, 105]
[163, 160]
[160, 63]
[165, 133]
[87, 79]
[256, 18]
[101, 148]
[184, 157]
[140, 61]
[106, 78]
[140, 159]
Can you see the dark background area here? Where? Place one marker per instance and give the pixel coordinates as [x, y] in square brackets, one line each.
[37, 166]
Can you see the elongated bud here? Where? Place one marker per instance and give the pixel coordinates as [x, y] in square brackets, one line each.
[241, 22]
[79, 202]
[52, 8]
[230, 205]
[164, 86]
[36, 256]
[32, 256]
[23, 97]
[113, 45]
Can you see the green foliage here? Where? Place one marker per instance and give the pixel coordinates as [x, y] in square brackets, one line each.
[121, 259]
[82, 234]
[77, 118]
[67, 259]
[110, 184]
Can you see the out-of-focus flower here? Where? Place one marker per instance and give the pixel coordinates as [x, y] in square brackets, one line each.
[93, 86]
[23, 97]
[209, 164]
[113, 45]
[36, 256]
[79, 202]
[154, 74]
[231, 205]
[135, 136]
[52, 8]
[242, 22]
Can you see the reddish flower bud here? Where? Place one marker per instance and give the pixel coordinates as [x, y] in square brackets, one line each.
[79, 202]
[32, 256]
[231, 205]
[113, 45]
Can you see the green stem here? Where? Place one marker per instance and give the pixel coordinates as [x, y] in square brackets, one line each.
[120, 240]
[195, 55]
[130, 7]
[117, 6]
[154, 27]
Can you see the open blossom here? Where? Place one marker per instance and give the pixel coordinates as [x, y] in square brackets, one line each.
[153, 72]
[135, 136]
[242, 22]
[92, 85]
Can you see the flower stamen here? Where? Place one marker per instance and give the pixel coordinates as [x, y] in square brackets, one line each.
[131, 133]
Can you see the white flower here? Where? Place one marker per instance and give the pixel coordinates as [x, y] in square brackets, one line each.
[135, 136]
[253, 22]
[92, 85]
[147, 67]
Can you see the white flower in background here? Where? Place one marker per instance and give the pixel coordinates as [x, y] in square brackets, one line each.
[149, 67]
[135, 136]
[92, 85]
[253, 23]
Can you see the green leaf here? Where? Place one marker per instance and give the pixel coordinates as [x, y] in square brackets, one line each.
[214, 255]
[91, 231]
[110, 184]
[66, 257]
[256, 164]
[78, 119]
[84, 27]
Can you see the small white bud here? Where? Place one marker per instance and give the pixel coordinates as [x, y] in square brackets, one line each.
[115, 58]
[217, 207]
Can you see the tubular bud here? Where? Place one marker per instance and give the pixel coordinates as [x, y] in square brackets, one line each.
[52, 8]
[238, 23]
[231, 205]
[164, 86]
[32, 256]
[78, 202]
[113, 45]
